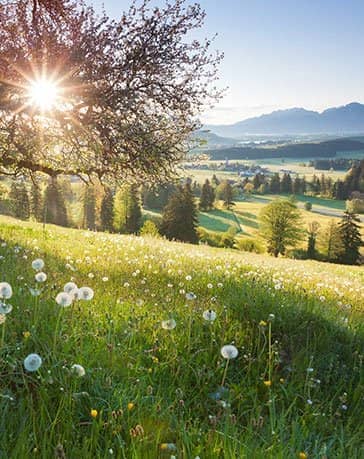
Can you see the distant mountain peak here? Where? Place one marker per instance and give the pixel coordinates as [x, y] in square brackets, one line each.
[346, 119]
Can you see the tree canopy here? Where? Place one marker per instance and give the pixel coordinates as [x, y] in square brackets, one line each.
[129, 92]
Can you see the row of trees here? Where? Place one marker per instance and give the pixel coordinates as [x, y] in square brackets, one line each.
[281, 227]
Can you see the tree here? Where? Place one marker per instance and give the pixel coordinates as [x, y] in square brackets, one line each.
[330, 242]
[275, 183]
[54, 207]
[107, 211]
[280, 226]
[180, 216]
[36, 205]
[313, 228]
[125, 94]
[351, 238]
[89, 207]
[308, 206]
[19, 200]
[207, 197]
[149, 228]
[225, 192]
[286, 184]
[127, 210]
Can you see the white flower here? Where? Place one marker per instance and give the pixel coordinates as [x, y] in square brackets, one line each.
[64, 299]
[209, 315]
[105, 279]
[38, 264]
[41, 277]
[169, 324]
[5, 290]
[69, 287]
[2, 318]
[190, 296]
[78, 370]
[85, 293]
[229, 351]
[32, 362]
[5, 308]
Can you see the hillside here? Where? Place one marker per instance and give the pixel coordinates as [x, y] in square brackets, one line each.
[337, 120]
[328, 149]
[151, 351]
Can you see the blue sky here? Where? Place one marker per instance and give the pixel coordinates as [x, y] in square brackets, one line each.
[282, 53]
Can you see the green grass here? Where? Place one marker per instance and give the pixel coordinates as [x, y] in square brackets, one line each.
[170, 375]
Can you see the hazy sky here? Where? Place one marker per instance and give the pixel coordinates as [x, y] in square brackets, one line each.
[282, 53]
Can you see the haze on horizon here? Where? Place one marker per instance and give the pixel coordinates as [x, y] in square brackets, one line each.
[281, 54]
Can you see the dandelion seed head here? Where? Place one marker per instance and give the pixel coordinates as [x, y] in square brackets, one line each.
[32, 362]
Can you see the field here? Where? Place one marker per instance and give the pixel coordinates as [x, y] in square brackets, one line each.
[156, 384]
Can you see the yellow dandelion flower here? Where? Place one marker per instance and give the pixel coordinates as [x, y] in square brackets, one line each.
[26, 334]
[302, 455]
[130, 406]
[263, 323]
[268, 383]
[94, 413]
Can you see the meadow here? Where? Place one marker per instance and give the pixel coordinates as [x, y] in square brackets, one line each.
[130, 335]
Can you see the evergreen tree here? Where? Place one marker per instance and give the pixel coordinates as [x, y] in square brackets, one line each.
[339, 191]
[19, 200]
[330, 242]
[36, 205]
[207, 197]
[127, 210]
[107, 211]
[286, 184]
[275, 183]
[313, 228]
[180, 216]
[351, 238]
[89, 207]
[215, 181]
[297, 185]
[54, 207]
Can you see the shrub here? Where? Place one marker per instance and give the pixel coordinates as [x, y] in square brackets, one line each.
[308, 205]
[250, 245]
[149, 228]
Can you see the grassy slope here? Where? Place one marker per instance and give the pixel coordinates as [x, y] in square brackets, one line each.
[170, 375]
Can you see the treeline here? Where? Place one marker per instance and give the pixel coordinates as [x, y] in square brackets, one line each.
[337, 164]
[327, 149]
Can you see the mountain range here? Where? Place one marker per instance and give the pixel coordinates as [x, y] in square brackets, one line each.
[347, 119]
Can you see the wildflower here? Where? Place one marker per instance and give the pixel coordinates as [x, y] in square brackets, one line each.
[281, 380]
[5, 308]
[78, 370]
[168, 447]
[41, 277]
[302, 455]
[32, 362]
[2, 318]
[85, 293]
[130, 406]
[38, 264]
[64, 299]
[69, 287]
[169, 324]
[137, 431]
[35, 291]
[26, 334]
[229, 352]
[6, 291]
[268, 383]
[209, 315]
[309, 401]
[105, 279]
[190, 296]
[271, 317]
[94, 413]
[262, 323]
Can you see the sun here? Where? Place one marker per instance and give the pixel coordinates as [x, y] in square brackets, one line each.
[43, 94]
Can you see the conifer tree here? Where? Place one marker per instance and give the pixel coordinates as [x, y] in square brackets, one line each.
[54, 207]
[330, 242]
[180, 216]
[36, 205]
[19, 200]
[127, 210]
[313, 228]
[225, 192]
[89, 207]
[286, 184]
[275, 183]
[207, 197]
[107, 211]
[351, 238]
